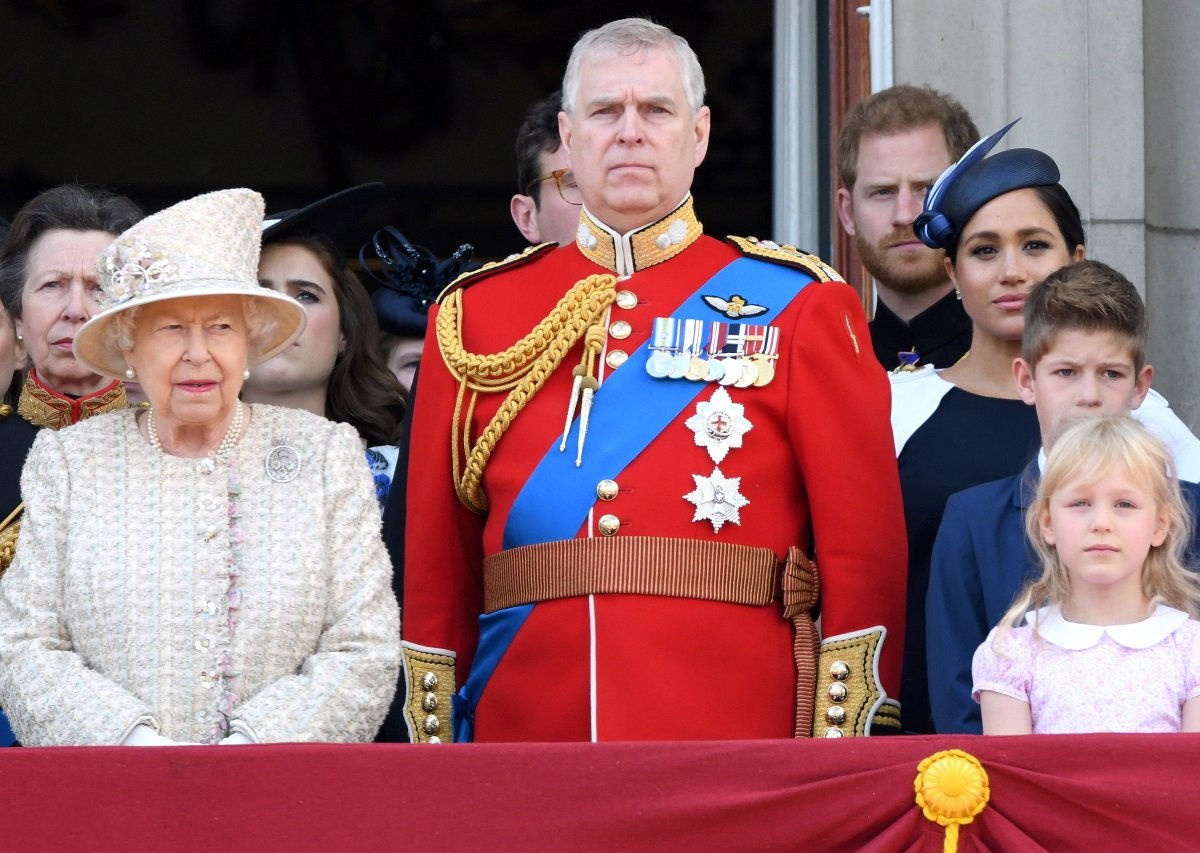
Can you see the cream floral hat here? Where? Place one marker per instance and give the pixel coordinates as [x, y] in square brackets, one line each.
[204, 246]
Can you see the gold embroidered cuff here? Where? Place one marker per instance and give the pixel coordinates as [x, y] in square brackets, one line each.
[10, 529]
[429, 674]
[849, 698]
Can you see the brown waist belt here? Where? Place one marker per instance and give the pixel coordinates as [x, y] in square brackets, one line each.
[678, 568]
[647, 565]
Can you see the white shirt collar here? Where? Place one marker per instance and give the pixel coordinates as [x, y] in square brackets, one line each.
[1075, 636]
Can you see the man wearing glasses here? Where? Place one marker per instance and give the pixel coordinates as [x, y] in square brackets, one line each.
[628, 448]
[546, 206]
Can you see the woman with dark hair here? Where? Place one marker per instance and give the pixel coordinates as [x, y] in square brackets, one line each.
[48, 285]
[48, 288]
[335, 368]
[1005, 223]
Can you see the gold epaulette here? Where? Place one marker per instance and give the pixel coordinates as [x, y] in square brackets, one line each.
[492, 267]
[768, 250]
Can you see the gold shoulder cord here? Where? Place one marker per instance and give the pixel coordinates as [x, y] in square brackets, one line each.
[522, 370]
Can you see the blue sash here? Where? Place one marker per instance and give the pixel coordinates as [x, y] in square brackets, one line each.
[630, 410]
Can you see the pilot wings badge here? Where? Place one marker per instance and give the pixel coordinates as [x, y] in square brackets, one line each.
[734, 307]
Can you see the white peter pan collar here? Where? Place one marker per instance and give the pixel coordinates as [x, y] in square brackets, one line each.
[1075, 636]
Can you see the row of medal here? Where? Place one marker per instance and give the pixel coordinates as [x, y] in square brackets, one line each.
[738, 354]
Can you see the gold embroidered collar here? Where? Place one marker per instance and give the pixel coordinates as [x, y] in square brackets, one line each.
[644, 247]
[46, 408]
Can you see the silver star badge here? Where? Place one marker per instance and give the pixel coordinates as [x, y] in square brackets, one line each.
[717, 499]
[719, 424]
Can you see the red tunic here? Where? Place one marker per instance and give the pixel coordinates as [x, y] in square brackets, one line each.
[817, 468]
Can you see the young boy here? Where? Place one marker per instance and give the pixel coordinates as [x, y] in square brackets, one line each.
[1083, 352]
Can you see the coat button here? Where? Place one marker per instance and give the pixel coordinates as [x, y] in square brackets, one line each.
[431, 724]
[609, 524]
[626, 299]
[620, 329]
[838, 692]
[429, 681]
[834, 733]
[839, 670]
[606, 490]
[616, 358]
[836, 715]
[429, 703]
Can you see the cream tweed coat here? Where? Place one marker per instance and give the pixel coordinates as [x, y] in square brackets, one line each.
[146, 590]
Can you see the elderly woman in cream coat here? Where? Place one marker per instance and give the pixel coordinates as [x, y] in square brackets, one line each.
[204, 571]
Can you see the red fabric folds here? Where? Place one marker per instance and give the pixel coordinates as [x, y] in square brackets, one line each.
[1101, 792]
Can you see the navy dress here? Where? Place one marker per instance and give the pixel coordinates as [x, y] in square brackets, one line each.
[953, 440]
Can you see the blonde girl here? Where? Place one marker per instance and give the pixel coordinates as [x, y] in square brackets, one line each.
[1107, 638]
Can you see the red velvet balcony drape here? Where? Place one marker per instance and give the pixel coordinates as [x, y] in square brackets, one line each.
[1078, 792]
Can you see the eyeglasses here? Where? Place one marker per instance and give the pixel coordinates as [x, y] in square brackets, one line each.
[564, 180]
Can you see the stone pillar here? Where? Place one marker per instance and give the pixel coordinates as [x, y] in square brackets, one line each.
[1172, 135]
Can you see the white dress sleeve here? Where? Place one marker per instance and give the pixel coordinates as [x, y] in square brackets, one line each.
[343, 689]
[1156, 414]
[50, 694]
[1191, 675]
[1006, 667]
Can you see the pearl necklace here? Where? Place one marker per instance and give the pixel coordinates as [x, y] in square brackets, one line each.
[227, 443]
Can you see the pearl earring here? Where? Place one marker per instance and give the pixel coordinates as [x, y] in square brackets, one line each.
[129, 374]
[958, 294]
[246, 373]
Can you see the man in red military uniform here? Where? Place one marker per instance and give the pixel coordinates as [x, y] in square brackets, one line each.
[648, 432]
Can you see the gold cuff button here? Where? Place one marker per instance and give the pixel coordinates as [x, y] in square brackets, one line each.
[431, 724]
[839, 670]
[609, 524]
[429, 681]
[616, 358]
[620, 330]
[836, 715]
[429, 702]
[626, 299]
[606, 490]
[838, 692]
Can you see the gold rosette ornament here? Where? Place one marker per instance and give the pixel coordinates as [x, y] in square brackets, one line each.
[952, 787]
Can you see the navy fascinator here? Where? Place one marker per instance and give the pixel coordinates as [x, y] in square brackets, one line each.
[974, 181]
[411, 277]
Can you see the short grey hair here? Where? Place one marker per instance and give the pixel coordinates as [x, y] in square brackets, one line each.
[262, 326]
[626, 37]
